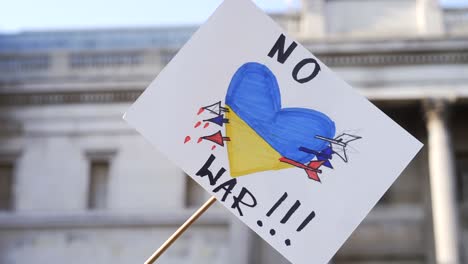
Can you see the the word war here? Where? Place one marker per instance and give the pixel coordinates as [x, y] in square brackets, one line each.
[244, 199]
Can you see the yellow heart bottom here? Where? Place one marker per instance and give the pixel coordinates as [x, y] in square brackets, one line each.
[247, 151]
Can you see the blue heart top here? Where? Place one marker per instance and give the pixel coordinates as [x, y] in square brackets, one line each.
[254, 96]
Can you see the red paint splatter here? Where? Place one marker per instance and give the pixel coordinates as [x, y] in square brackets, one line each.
[206, 125]
[197, 124]
[199, 140]
[213, 147]
[200, 111]
[187, 139]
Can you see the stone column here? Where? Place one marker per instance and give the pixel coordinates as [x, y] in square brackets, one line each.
[312, 19]
[442, 180]
[430, 17]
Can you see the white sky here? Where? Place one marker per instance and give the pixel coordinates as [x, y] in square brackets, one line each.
[18, 15]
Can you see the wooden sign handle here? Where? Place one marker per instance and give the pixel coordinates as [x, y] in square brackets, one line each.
[181, 230]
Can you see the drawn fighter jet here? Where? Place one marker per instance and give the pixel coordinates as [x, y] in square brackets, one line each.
[323, 155]
[339, 144]
[217, 138]
[216, 109]
[219, 120]
[336, 146]
[312, 169]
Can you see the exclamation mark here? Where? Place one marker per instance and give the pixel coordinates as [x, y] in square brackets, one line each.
[290, 212]
[277, 204]
[306, 221]
[286, 217]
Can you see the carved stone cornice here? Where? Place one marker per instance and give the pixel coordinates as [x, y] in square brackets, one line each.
[24, 68]
[395, 58]
[51, 98]
[86, 219]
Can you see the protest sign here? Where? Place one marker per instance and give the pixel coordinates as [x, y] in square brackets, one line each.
[273, 133]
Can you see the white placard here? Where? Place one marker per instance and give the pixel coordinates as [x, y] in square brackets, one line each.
[278, 138]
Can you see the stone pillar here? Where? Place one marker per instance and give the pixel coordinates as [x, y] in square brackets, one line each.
[442, 180]
[429, 15]
[312, 19]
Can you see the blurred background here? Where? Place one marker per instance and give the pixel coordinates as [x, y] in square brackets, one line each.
[77, 185]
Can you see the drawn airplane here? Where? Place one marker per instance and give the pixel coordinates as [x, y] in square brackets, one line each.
[339, 144]
[216, 109]
[312, 169]
[217, 138]
[219, 120]
[323, 155]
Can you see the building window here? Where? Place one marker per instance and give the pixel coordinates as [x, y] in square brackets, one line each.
[195, 194]
[98, 60]
[24, 63]
[6, 186]
[98, 184]
[166, 56]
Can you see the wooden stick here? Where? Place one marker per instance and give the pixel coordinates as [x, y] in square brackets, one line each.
[181, 230]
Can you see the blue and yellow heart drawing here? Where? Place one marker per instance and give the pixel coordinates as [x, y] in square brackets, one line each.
[260, 135]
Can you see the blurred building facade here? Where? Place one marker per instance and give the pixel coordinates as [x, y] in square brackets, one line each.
[77, 185]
